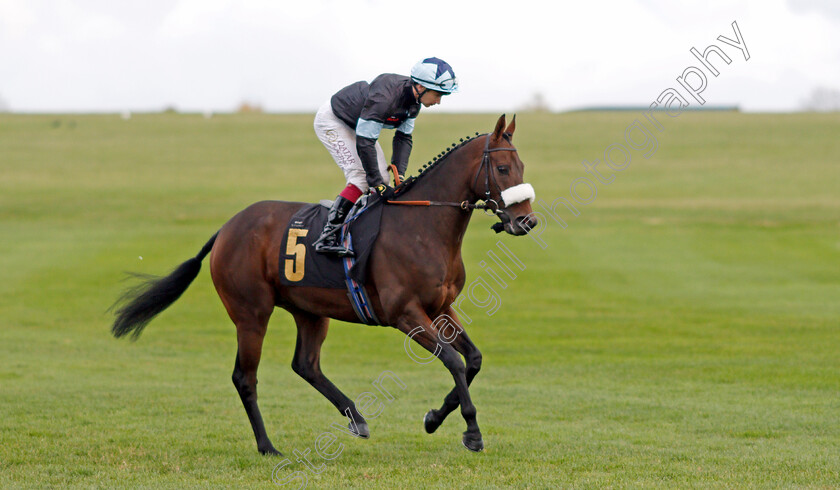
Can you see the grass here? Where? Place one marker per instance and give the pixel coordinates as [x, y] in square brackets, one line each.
[682, 331]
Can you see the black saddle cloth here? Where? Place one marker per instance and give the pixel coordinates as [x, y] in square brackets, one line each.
[301, 265]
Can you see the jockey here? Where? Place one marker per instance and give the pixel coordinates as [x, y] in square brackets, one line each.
[349, 125]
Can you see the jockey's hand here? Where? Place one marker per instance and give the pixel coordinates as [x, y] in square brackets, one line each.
[385, 191]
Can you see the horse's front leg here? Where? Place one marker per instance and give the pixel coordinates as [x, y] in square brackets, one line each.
[465, 347]
[427, 336]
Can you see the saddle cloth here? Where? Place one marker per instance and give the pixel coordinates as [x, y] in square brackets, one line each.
[301, 265]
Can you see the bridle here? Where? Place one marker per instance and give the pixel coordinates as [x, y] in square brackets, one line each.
[493, 208]
[485, 164]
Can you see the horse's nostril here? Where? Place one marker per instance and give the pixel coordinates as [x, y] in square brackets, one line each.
[528, 222]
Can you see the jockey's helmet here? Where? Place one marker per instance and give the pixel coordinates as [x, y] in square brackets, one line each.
[435, 74]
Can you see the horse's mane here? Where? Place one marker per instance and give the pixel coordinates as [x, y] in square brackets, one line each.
[436, 161]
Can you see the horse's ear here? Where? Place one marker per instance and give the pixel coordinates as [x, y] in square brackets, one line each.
[511, 128]
[500, 126]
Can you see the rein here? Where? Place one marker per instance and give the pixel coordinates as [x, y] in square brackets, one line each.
[467, 205]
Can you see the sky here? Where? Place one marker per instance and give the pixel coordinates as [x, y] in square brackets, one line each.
[213, 55]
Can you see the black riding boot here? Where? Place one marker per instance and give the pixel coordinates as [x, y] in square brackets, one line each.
[330, 239]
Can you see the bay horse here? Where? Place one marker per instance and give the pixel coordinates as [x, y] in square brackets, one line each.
[415, 274]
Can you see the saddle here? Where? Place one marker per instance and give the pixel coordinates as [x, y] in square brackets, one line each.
[302, 266]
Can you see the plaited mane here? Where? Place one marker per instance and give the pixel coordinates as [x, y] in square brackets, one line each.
[436, 161]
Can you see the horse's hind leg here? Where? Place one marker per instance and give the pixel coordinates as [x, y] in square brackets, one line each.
[250, 308]
[465, 347]
[312, 330]
[245, 379]
[250, 336]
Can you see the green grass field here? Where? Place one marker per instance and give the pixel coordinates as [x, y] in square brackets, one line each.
[683, 331]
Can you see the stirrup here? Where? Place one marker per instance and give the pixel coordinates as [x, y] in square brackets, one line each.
[330, 242]
[337, 249]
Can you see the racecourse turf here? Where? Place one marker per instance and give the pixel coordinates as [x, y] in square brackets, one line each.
[681, 331]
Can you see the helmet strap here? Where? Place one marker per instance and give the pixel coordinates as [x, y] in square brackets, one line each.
[419, 93]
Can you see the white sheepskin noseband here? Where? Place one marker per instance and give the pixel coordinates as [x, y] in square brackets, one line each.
[518, 193]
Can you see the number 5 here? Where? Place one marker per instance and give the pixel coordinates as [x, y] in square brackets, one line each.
[294, 267]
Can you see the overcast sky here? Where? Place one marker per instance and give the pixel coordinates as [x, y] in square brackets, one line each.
[211, 55]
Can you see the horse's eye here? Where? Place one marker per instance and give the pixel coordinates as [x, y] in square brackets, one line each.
[504, 170]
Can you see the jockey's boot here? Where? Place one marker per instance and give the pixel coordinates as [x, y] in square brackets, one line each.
[330, 239]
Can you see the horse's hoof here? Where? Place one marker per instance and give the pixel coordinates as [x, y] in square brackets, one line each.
[269, 451]
[361, 430]
[473, 442]
[429, 423]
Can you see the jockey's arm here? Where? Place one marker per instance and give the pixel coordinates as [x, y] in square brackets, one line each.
[366, 148]
[367, 132]
[402, 146]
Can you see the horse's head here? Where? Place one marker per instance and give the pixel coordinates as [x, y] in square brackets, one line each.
[500, 182]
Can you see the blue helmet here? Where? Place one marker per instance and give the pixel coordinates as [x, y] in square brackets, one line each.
[435, 74]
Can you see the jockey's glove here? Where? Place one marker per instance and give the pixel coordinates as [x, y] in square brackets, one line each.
[385, 191]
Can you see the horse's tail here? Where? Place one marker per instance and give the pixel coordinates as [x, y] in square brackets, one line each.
[141, 303]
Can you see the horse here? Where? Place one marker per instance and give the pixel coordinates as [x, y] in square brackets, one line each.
[415, 273]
